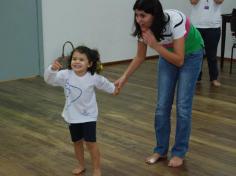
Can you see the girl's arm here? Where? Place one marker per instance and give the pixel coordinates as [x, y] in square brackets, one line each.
[218, 1]
[136, 62]
[176, 57]
[194, 2]
[54, 77]
[104, 84]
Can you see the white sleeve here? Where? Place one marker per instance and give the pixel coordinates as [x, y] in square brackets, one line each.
[55, 78]
[178, 25]
[104, 84]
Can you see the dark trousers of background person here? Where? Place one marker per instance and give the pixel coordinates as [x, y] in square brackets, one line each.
[211, 37]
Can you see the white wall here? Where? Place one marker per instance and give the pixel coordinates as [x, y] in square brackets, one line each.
[102, 24]
[185, 6]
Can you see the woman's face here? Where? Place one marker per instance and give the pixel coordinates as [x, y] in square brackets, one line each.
[143, 19]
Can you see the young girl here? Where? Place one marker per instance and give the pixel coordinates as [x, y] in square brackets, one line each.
[80, 109]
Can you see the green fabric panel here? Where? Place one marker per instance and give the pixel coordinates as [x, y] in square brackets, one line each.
[193, 42]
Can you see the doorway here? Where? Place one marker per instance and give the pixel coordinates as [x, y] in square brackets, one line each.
[21, 38]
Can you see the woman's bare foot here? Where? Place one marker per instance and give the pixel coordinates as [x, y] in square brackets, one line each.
[78, 170]
[176, 161]
[97, 172]
[154, 158]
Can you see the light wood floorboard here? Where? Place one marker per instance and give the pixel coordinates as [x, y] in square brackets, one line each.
[35, 141]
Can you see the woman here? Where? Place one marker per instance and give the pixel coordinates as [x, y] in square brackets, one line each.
[206, 16]
[179, 45]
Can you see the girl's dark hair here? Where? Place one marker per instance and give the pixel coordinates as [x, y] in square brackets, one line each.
[154, 8]
[92, 55]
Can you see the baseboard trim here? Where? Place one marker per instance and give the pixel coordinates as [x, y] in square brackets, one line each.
[150, 58]
[17, 79]
[128, 60]
[227, 59]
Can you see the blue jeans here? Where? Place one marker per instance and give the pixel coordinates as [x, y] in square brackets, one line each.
[185, 78]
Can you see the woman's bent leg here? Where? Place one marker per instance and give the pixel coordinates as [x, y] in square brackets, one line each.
[188, 76]
[167, 77]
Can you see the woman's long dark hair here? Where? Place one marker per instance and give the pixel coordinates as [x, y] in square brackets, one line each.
[154, 8]
[92, 55]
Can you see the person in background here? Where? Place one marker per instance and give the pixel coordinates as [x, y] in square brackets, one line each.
[80, 111]
[206, 16]
[180, 46]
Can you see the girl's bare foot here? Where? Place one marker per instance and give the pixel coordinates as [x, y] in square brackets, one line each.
[154, 158]
[97, 172]
[176, 161]
[78, 170]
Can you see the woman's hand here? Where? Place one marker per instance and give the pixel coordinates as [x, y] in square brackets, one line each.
[176, 57]
[56, 65]
[149, 38]
[119, 83]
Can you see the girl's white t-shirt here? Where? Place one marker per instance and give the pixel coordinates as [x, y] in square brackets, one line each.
[206, 14]
[80, 105]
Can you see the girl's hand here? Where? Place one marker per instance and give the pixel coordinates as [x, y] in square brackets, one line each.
[115, 91]
[194, 2]
[149, 38]
[218, 1]
[119, 84]
[56, 65]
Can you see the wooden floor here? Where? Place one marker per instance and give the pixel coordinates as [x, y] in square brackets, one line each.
[34, 140]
